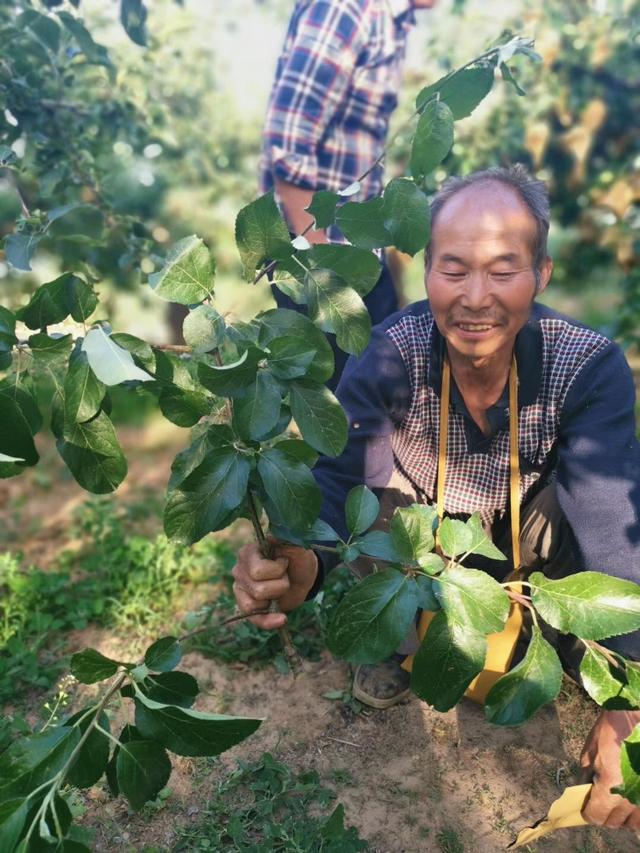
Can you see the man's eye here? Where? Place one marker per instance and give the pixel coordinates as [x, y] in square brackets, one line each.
[454, 274]
[503, 276]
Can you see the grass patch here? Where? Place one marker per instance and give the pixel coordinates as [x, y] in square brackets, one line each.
[128, 583]
[265, 807]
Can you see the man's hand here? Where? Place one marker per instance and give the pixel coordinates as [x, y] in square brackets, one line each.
[287, 579]
[600, 761]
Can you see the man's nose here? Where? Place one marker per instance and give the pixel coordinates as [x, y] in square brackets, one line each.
[476, 294]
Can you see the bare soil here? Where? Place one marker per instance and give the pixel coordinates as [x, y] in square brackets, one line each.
[415, 780]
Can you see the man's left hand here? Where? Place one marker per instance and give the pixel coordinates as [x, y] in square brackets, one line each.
[600, 761]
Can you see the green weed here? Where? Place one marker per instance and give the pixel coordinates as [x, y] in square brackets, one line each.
[265, 807]
[448, 841]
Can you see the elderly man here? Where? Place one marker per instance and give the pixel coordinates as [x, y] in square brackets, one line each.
[579, 457]
[335, 88]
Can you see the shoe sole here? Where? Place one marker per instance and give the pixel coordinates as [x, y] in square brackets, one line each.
[374, 702]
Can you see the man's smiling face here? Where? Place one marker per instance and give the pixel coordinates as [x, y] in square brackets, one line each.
[481, 280]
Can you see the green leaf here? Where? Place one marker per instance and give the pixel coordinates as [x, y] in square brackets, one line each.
[139, 349]
[319, 417]
[361, 510]
[480, 542]
[13, 814]
[8, 338]
[207, 496]
[184, 408]
[172, 688]
[8, 156]
[630, 766]
[133, 15]
[83, 391]
[323, 208]
[532, 683]
[229, 379]
[54, 301]
[89, 666]
[91, 762]
[378, 543]
[111, 363]
[473, 598]
[426, 594]
[30, 761]
[432, 564]
[187, 274]
[606, 684]
[93, 455]
[261, 234]
[407, 216]
[363, 223]
[508, 77]
[449, 658]
[127, 734]
[50, 350]
[411, 530]
[300, 450]
[45, 29]
[15, 437]
[203, 329]
[188, 732]
[163, 655]
[281, 321]
[590, 605]
[95, 53]
[461, 90]
[455, 537]
[289, 357]
[21, 389]
[373, 617]
[293, 494]
[359, 268]
[20, 248]
[432, 140]
[257, 412]
[337, 308]
[189, 459]
[143, 769]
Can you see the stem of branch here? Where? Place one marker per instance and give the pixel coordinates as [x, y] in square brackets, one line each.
[293, 658]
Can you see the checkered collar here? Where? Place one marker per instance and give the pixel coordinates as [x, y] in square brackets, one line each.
[529, 354]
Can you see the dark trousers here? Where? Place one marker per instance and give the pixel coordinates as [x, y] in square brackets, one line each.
[381, 301]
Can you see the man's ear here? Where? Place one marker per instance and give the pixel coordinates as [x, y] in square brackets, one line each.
[544, 275]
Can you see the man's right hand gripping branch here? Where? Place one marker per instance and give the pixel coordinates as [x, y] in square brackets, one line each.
[285, 579]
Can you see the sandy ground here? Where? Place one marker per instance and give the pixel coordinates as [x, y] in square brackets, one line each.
[412, 773]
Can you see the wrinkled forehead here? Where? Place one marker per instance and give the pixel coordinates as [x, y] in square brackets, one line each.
[483, 219]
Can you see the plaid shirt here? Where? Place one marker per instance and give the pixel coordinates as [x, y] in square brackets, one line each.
[335, 88]
[576, 401]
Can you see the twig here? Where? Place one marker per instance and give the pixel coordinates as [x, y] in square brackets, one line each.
[340, 740]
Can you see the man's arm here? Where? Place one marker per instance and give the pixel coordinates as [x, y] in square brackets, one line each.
[598, 473]
[599, 491]
[294, 201]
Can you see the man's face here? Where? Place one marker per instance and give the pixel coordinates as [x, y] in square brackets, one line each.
[481, 281]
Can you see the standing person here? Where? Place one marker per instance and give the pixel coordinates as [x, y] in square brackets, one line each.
[335, 88]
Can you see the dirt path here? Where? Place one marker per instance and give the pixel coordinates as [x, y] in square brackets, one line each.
[414, 780]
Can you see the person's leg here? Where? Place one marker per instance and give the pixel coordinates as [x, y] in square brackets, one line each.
[547, 545]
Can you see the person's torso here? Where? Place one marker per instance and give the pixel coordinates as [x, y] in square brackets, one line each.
[356, 134]
[551, 352]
